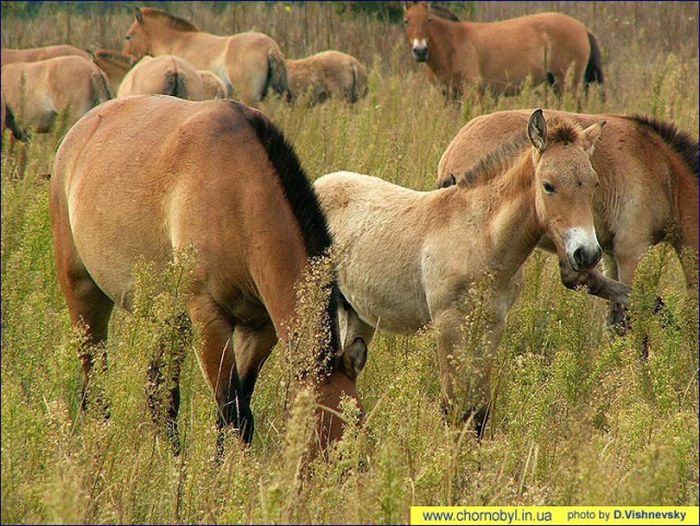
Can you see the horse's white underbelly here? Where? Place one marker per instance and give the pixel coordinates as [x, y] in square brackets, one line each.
[390, 298]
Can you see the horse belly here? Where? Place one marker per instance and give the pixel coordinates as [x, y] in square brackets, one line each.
[385, 294]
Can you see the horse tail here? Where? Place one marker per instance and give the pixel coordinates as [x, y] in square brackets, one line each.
[175, 85]
[594, 69]
[11, 122]
[276, 74]
[359, 82]
[100, 87]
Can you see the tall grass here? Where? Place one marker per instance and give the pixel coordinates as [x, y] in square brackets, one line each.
[579, 417]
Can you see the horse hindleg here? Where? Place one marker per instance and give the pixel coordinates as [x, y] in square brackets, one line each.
[252, 347]
[169, 357]
[88, 306]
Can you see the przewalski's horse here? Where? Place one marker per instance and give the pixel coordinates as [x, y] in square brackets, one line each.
[251, 63]
[329, 74]
[163, 75]
[500, 55]
[114, 64]
[11, 56]
[648, 173]
[216, 176]
[410, 258]
[37, 92]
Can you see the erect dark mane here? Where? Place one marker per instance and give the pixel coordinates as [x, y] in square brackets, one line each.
[682, 142]
[170, 20]
[495, 162]
[562, 131]
[305, 206]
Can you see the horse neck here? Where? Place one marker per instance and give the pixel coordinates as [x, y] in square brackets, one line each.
[511, 218]
[440, 31]
[164, 40]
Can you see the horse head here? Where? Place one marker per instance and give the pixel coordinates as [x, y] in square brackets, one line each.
[417, 18]
[565, 182]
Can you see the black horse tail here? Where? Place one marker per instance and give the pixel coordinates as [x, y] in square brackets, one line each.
[594, 69]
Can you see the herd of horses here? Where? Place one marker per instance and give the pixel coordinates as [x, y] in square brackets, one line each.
[218, 176]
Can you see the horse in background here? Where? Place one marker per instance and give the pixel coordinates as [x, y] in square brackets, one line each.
[251, 63]
[648, 192]
[325, 75]
[38, 92]
[163, 75]
[12, 56]
[409, 258]
[501, 55]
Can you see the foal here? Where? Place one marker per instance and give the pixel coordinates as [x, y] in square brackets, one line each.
[410, 258]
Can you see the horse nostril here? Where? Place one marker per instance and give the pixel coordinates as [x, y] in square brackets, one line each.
[579, 257]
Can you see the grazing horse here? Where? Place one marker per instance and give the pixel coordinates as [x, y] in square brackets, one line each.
[251, 63]
[648, 173]
[37, 92]
[163, 75]
[11, 56]
[500, 55]
[410, 258]
[114, 64]
[216, 176]
[329, 74]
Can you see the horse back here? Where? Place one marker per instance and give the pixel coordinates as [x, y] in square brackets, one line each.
[187, 174]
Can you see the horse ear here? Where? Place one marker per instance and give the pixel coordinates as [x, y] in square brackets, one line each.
[138, 14]
[590, 136]
[537, 130]
[355, 357]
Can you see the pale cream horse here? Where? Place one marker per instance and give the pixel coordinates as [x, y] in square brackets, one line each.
[116, 65]
[329, 74]
[163, 75]
[251, 63]
[648, 173]
[500, 55]
[37, 92]
[409, 258]
[11, 56]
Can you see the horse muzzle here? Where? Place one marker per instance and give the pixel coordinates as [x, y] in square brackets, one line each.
[583, 252]
[420, 54]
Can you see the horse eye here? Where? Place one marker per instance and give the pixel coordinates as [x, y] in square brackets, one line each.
[405, 20]
[548, 188]
[430, 19]
[128, 37]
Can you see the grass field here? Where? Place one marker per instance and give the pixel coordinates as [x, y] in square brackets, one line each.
[579, 418]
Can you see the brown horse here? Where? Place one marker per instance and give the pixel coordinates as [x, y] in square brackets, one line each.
[251, 63]
[648, 174]
[114, 64]
[216, 176]
[11, 56]
[500, 55]
[37, 92]
[163, 75]
[411, 258]
[329, 74]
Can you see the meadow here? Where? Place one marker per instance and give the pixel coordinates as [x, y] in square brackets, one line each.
[579, 417]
